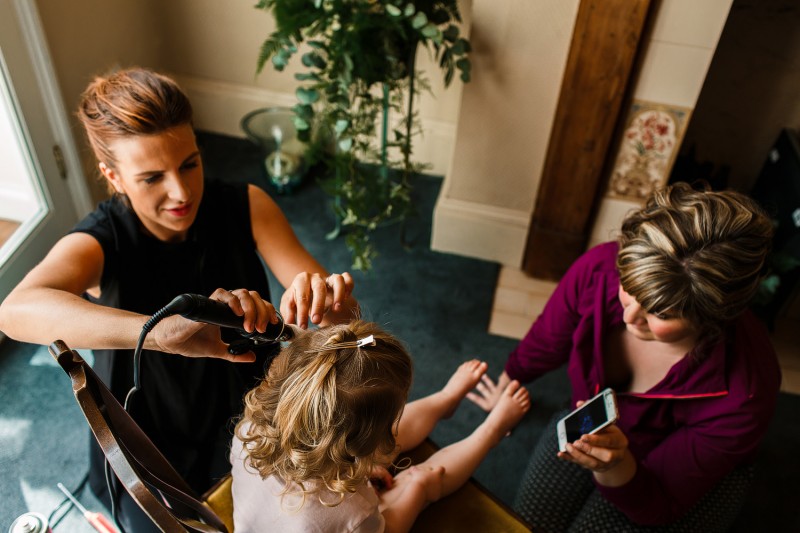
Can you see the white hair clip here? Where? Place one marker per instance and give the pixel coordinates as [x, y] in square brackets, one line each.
[369, 340]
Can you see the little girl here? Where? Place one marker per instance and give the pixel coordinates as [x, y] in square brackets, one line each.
[331, 415]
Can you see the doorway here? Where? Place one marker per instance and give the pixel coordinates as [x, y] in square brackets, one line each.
[37, 202]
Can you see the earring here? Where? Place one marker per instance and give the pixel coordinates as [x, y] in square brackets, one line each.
[108, 174]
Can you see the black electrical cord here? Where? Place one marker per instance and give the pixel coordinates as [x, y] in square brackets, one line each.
[176, 306]
[50, 518]
[199, 309]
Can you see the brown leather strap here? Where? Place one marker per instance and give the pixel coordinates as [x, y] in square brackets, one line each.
[144, 472]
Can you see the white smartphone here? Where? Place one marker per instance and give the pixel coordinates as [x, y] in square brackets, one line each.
[591, 417]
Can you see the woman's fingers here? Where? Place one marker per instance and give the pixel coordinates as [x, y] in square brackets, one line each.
[310, 296]
[319, 290]
[598, 452]
[296, 301]
[342, 287]
[607, 438]
[256, 312]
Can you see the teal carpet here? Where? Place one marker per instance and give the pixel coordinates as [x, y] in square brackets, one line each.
[439, 304]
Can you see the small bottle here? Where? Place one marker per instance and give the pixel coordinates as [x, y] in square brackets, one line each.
[30, 523]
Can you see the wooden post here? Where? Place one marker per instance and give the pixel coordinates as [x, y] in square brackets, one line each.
[601, 57]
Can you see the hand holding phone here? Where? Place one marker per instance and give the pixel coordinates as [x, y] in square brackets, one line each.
[591, 417]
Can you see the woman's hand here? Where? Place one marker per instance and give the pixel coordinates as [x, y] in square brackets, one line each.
[195, 339]
[310, 296]
[489, 392]
[605, 453]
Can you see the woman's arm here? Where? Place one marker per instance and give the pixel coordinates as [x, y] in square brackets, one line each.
[311, 292]
[48, 305]
[661, 486]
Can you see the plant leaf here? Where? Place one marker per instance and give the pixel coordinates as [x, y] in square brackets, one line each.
[313, 59]
[307, 96]
[409, 10]
[419, 20]
[279, 62]
[393, 10]
[341, 125]
[301, 124]
[345, 144]
[306, 76]
[448, 75]
[432, 32]
[451, 33]
[304, 111]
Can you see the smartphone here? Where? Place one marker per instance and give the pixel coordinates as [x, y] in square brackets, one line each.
[591, 417]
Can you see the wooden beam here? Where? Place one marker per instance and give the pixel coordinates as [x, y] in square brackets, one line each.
[604, 47]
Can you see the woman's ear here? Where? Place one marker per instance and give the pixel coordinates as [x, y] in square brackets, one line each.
[112, 177]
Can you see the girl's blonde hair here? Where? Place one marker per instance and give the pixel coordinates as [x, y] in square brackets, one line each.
[695, 254]
[327, 414]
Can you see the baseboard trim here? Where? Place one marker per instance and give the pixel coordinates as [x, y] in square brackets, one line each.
[480, 231]
[220, 106]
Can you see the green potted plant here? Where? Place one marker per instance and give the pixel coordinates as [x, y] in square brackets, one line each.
[356, 100]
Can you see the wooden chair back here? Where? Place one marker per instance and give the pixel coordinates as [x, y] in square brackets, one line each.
[141, 469]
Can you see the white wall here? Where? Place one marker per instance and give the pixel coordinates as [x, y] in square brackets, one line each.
[489, 142]
[211, 48]
[519, 55]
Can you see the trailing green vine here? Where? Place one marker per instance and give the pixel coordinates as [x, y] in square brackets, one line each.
[360, 72]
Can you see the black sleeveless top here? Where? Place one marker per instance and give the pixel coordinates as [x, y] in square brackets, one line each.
[185, 405]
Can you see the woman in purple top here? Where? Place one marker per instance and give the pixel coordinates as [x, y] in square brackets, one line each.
[660, 317]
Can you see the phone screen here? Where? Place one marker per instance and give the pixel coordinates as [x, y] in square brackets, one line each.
[586, 419]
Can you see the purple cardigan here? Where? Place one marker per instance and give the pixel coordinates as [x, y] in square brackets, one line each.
[703, 419]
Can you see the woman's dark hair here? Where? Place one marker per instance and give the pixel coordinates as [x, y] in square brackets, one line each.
[127, 103]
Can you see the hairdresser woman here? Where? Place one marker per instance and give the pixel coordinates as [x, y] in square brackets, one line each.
[660, 317]
[165, 232]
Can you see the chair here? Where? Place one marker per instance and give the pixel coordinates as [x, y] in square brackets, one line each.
[169, 502]
[142, 470]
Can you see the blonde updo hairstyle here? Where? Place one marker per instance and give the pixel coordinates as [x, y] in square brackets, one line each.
[695, 254]
[327, 414]
[128, 103]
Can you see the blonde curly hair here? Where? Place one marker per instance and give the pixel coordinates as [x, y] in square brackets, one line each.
[323, 417]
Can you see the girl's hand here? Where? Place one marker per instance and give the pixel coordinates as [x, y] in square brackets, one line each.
[381, 479]
[310, 296]
[488, 392]
[430, 479]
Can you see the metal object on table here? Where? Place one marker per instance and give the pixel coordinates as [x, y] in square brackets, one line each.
[273, 129]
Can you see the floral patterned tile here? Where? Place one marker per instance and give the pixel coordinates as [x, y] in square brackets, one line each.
[647, 150]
